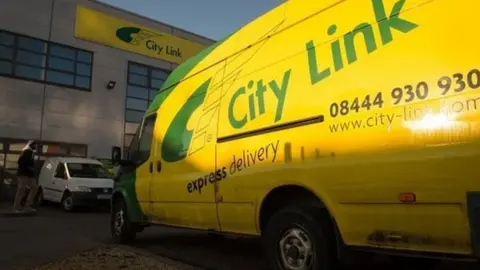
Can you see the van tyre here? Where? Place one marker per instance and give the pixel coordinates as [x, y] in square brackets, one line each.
[123, 230]
[300, 238]
[67, 201]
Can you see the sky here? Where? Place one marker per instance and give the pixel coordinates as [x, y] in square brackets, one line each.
[214, 19]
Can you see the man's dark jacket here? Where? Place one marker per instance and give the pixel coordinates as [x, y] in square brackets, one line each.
[26, 164]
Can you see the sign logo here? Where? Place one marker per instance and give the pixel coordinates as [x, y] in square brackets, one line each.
[178, 138]
[134, 35]
[137, 36]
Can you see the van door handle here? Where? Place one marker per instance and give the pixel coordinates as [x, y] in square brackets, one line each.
[151, 167]
[159, 166]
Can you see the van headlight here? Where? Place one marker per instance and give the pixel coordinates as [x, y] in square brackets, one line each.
[84, 189]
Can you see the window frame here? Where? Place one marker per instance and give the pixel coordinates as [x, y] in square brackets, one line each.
[150, 70]
[59, 165]
[7, 142]
[133, 149]
[47, 54]
[149, 86]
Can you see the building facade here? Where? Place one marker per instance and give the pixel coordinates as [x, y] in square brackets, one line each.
[77, 75]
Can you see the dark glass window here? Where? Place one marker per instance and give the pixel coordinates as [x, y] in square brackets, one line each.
[137, 104]
[85, 57]
[61, 64]
[137, 92]
[143, 84]
[34, 59]
[133, 116]
[62, 52]
[59, 77]
[30, 44]
[5, 67]
[138, 80]
[153, 93]
[142, 70]
[82, 82]
[83, 69]
[28, 72]
[31, 59]
[6, 52]
[160, 74]
[157, 83]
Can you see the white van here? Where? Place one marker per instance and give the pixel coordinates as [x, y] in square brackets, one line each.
[75, 182]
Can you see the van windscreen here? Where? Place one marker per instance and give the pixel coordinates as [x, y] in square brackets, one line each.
[86, 170]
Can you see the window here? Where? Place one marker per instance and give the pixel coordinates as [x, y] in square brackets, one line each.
[38, 60]
[60, 149]
[60, 171]
[140, 149]
[132, 147]
[137, 92]
[146, 136]
[87, 170]
[143, 84]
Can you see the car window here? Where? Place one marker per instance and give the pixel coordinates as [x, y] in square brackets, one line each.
[88, 170]
[60, 171]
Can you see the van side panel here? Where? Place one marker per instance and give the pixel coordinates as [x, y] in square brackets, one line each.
[364, 103]
[359, 103]
[183, 192]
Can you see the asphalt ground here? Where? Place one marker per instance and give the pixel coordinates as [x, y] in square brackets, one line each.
[53, 234]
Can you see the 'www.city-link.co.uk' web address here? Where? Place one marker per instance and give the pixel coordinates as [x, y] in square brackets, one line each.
[409, 114]
[369, 122]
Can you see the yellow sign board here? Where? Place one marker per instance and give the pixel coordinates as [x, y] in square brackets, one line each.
[98, 27]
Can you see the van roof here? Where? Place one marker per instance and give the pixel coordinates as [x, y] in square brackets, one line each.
[183, 71]
[75, 160]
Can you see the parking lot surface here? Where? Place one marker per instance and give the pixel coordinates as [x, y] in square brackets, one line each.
[54, 234]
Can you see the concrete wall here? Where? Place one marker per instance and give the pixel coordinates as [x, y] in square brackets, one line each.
[30, 110]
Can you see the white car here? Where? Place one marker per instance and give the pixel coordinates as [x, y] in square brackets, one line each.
[75, 182]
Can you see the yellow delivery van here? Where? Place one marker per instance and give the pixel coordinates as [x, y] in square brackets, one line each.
[321, 126]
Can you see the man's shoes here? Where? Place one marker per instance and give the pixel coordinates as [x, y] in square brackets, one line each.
[16, 211]
[30, 209]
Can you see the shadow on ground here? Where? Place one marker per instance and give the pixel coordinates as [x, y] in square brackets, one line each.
[53, 232]
[220, 253]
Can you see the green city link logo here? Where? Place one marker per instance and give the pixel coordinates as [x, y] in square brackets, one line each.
[136, 36]
[178, 138]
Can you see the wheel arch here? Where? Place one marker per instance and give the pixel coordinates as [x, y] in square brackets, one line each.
[134, 211]
[291, 194]
[66, 191]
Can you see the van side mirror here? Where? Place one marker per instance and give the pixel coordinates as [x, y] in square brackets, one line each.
[116, 154]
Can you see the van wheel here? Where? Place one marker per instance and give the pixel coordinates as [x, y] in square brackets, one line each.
[300, 238]
[122, 229]
[67, 202]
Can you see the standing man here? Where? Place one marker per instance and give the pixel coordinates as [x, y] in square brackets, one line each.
[26, 176]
